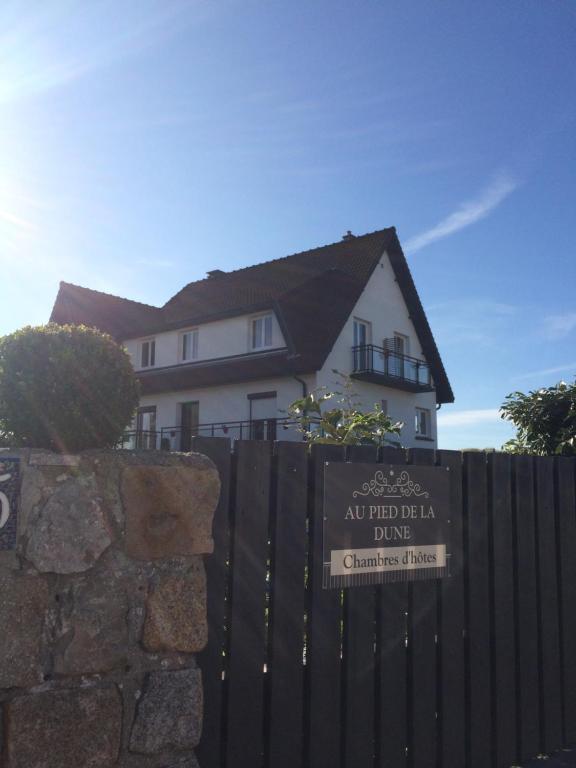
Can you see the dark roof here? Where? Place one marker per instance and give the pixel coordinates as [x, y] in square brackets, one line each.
[312, 292]
[119, 317]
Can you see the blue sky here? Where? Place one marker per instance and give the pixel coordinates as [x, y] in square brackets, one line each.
[143, 143]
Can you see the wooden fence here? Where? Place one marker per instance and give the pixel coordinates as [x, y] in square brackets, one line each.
[473, 671]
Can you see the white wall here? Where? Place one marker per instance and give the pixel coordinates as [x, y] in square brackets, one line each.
[227, 403]
[382, 304]
[222, 338]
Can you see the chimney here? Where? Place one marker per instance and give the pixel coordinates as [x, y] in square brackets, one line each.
[348, 236]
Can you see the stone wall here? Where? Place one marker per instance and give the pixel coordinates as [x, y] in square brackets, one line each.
[102, 608]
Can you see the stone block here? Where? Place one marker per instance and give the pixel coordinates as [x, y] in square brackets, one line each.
[24, 602]
[169, 714]
[176, 613]
[169, 509]
[65, 729]
[70, 532]
[184, 762]
[93, 634]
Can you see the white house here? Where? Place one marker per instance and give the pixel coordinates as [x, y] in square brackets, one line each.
[226, 355]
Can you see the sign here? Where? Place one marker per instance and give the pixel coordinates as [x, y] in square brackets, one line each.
[385, 523]
[9, 500]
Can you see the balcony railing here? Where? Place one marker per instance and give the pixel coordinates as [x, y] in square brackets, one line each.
[180, 438]
[371, 363]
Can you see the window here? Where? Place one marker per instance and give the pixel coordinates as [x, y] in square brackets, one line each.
[189, 345]
[423, 425]
[401, 344]
[148, 353]
[362, 332]
[261, 332]
[146, 427]
[263, 415]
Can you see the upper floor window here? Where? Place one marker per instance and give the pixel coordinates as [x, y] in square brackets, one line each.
[261, 332]
[148, 353]
[362, 332]
[423, 422]
[189, 345]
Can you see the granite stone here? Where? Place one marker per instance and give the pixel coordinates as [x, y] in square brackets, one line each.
[24, 602]
[176, 613]
[65, 729]
[169, 509]
[70, 532]
[93, 633]
[169, 714]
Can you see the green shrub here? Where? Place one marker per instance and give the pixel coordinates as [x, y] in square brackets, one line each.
[545, 420]
[65, 388]
[344, 423]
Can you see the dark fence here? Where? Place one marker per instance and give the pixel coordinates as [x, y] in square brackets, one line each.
[473, 671]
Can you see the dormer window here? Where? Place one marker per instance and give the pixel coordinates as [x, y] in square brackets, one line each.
[261, 332]
[189, 345]
[148, 353]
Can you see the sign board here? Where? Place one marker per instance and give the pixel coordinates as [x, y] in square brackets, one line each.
[9, 501]
[385, 523]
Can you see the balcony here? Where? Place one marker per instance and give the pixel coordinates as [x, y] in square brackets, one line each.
[383, 366]
[180, 438]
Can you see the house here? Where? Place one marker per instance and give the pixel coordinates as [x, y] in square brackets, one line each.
[227, 354]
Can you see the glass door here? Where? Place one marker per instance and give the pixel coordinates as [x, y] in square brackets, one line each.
[146, 427]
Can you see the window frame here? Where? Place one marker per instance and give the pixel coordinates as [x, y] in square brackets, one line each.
[428, 421]
[195, 345]
[358, 321]
[252, 335]
[151, 356]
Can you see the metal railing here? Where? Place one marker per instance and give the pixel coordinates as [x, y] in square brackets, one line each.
[179, 438]
[368, 358]
[142, 439]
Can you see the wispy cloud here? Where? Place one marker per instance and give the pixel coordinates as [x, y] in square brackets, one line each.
[38, 56]
[559, 326]
[467, 213]
[568, 367]
[468, 418]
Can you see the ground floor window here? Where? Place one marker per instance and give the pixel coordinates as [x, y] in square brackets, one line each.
[263, 415]
[146, 434]
[423, 422]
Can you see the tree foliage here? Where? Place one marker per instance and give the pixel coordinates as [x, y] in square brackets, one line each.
[545, 420]
[343, 423]
[65, 388]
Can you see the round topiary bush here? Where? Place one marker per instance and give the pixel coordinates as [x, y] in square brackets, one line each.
[65, 388]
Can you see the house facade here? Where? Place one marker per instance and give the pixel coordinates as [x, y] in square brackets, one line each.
[228, 354]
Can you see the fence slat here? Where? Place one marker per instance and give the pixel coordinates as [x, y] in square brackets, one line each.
[488, 677]
[504, 646]
[550, 677]
[478, 553]
[247, 617]
[422, 631]
[324, 638]
[451, 629]
[392, 661]
[211, 659]
[288, 604]
[527, 613]
[567, 540]
[358, 659]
